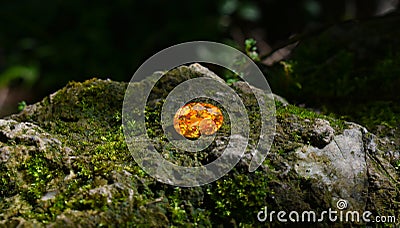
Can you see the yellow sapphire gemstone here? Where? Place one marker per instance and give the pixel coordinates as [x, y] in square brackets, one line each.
[196, 118]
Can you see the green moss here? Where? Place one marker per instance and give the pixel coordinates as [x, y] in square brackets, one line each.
[7, 182]
[186, 207]
[39, 172]
[87, 118]
[96, 178]
[288, 111]
[237, 197]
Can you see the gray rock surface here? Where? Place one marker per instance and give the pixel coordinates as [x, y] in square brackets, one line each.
[340, 166]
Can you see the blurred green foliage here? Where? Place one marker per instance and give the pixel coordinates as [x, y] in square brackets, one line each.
[351, 69]
[45, 44]
[28, 74]
[77, 40]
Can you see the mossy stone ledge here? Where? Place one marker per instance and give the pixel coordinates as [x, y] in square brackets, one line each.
[64, 162]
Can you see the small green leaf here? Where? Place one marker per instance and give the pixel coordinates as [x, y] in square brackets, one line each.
[21, 106]
[251, 49]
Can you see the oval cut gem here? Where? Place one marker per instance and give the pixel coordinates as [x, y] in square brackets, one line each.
[196, 118]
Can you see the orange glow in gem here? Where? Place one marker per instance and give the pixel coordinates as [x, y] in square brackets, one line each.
[195, 119]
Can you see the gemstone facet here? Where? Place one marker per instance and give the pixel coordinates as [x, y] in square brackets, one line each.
[195, 119]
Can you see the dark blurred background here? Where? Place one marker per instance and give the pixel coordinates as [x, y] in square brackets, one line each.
[44, 44]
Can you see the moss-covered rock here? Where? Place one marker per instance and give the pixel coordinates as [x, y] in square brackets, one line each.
[64, 162]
